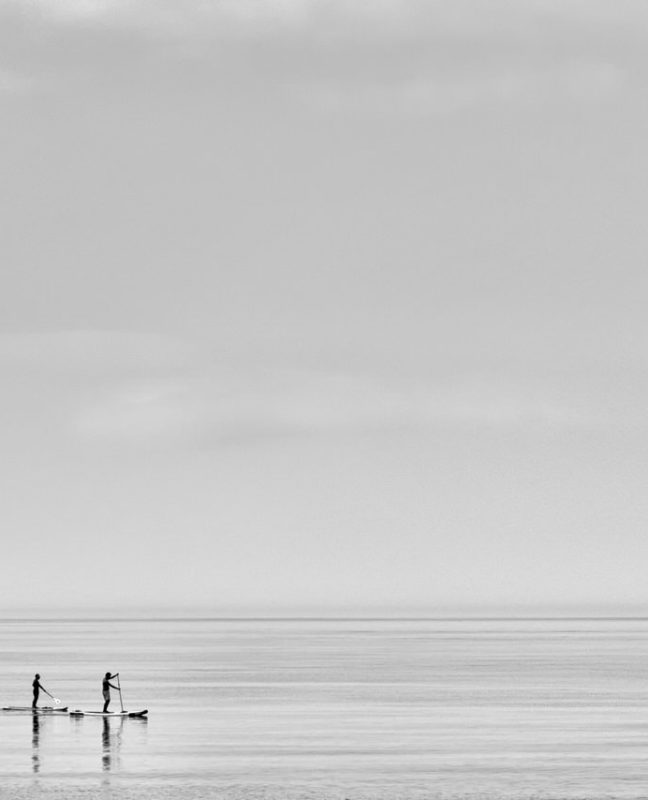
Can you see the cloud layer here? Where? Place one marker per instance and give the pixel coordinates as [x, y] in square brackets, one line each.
[145, 390]
[345, 57]
[286, 278]
[461, 16]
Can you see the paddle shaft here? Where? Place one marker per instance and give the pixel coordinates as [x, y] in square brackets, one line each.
[121, 703]
[55, 699]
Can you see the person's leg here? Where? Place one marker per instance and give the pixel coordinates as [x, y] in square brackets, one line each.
[35, 700]
[106, 702]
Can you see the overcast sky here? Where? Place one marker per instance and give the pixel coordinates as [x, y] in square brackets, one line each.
[323, 304]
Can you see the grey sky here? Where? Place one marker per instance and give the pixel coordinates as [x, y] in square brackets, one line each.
[323, 304]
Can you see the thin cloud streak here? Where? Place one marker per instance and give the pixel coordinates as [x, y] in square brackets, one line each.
[339, 18]
[88, 350]
[446, 95]
[126, 387]
[214, 411]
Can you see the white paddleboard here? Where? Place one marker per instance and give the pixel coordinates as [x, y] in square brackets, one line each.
[42, 710]
[79, 713]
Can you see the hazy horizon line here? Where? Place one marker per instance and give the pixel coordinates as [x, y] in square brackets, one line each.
[449, 612]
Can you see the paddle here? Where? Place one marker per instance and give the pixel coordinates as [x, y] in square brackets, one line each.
[55, 699]
[120, 694]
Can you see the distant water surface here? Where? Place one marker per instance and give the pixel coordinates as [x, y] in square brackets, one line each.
[330, 709]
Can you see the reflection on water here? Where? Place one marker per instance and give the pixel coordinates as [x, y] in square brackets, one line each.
[110, 744]
[378, 709]
[35, 742]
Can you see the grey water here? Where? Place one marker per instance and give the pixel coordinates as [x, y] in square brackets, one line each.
[334, 709]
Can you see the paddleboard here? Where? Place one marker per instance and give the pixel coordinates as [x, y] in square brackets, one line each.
[78, 713]
[42, 710]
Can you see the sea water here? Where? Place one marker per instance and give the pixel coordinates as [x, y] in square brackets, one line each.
[329, 709]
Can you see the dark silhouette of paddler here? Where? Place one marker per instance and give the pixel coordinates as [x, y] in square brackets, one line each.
[106, 687]
[37, 688]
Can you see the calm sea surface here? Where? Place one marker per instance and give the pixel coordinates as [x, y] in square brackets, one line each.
[330, 709]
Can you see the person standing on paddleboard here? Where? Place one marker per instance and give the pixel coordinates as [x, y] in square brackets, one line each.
[36, 686]
[106, 687]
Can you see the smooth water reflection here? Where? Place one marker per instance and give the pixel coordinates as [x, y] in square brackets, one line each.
[330, 709]
[110, 743]
[36, 725]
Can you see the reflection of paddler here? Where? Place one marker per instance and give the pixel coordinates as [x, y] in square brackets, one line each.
[106, 687]
[35, 742]
[105, 741]
[110, 743]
